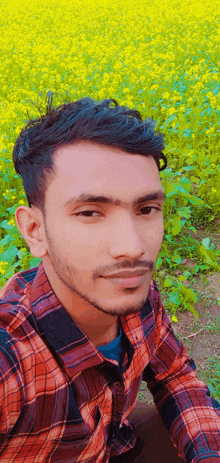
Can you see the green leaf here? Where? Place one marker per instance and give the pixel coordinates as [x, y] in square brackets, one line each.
[211, 388]
[208, 256]
[201, 268]
[195, 179]
[170, 119]
[187, 133]
[9, 255]
[206, 242]
[189, 168]
[174, 189]
[177, 259]
[177, 227]
[12, 209]
[189, 294]
[7, 239]
[184, 212]
[34, 262]
[12, 269]
[191, 309]
[168, 238]
[168, 282]
[20, 254]
[6, 225]
[174, 298]
[195, 200]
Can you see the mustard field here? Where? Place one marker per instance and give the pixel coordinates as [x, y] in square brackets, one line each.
[160, 57]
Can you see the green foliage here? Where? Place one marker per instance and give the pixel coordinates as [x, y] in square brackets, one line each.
[166, 69]
[181, 296]
[209, 255]
[211, 376]
[180, 241]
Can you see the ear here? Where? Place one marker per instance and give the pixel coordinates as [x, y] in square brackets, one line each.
[31, 225]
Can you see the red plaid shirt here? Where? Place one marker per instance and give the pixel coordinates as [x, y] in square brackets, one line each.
[63, 401]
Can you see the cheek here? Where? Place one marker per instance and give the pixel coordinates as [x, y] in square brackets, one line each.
[155, 233]
[83, 246]
[82, 251]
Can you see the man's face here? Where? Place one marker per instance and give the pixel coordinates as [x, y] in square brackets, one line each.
[89, 241]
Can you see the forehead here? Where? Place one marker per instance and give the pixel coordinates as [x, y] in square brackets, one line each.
[84, 167]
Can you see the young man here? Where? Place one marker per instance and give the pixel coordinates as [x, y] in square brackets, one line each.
[80, 332]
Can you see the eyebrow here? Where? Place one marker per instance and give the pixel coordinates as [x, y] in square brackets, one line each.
[86, 198]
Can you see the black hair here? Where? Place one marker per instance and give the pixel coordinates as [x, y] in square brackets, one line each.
[103, 122]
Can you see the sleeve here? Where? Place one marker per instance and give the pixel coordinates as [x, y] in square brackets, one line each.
[11, 388]
[183, 402]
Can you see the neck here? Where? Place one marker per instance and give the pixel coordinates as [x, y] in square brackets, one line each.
[101, 328]
[108, 336]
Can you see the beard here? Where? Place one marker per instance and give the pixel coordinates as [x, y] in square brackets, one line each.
[68, 274]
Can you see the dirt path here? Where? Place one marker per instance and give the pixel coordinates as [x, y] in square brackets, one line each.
[200, 336]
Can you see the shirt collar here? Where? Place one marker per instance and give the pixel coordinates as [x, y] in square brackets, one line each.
[63, 336]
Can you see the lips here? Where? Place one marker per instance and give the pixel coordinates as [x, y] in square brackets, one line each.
[127, 274]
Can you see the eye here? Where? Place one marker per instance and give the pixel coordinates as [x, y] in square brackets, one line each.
[87, 213]
[149, 209]
[92, 214]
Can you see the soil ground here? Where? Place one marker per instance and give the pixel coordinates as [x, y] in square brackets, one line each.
[201, 336]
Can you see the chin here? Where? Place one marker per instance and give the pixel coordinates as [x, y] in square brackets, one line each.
[118, 307]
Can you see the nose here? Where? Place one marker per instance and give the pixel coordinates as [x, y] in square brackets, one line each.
[126, 239]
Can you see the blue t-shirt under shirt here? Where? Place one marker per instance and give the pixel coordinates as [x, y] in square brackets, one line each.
[112, 350]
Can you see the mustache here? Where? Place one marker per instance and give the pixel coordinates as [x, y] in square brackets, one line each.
[126, 265]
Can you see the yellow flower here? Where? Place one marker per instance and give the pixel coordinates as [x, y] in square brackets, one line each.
[174, 318]
[2, 265]
[101, 58]
[171, 110]
[166, 96]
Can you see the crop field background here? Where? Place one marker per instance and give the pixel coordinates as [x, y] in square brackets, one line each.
[160, 57]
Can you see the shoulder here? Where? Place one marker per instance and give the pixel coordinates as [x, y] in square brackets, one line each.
[15, 290]
[15, 306]
[15, 313]
[17, 283]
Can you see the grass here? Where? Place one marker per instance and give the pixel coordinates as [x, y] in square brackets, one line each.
[215, 326]
[211, 376]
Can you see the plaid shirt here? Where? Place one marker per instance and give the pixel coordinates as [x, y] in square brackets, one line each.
[63, 401]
